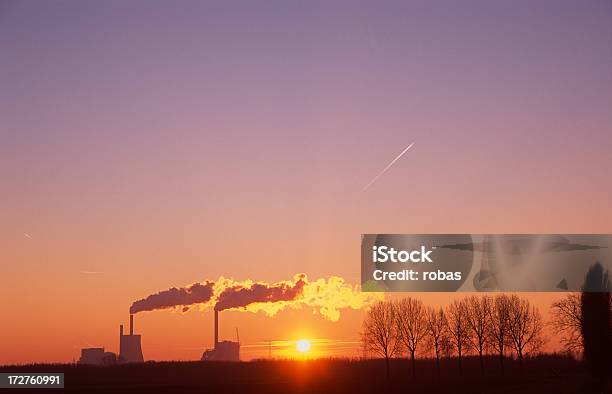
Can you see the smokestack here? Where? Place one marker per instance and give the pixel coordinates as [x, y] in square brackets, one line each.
[131, 324]
[216, 328]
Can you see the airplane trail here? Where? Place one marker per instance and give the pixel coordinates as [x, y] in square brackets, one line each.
[386, 168]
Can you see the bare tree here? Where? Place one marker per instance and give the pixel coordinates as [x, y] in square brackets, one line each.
[458, 328]
[447, 343]
[477, 309]
[525, 328]
[567, 320]
[411, 325]
[437, 333]
[498, 326]
[379, 331]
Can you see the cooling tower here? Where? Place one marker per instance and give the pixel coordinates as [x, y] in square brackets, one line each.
[130, 349]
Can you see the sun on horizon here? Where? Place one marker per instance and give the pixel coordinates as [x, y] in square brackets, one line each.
[303, 346]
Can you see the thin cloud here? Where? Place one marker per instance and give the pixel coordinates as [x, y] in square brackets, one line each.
[91, 272]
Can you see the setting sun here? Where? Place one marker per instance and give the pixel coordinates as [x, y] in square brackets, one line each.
[303, 345]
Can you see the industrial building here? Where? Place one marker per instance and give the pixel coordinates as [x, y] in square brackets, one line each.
[97, 356]
[130, 349]
[223, 350]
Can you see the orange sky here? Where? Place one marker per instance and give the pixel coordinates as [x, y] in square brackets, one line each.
[52, 308]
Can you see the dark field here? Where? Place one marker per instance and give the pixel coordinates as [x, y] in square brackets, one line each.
[545, 374]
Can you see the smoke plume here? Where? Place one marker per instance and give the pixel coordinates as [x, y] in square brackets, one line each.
[325, 296]
[196, 293]
[244, 294]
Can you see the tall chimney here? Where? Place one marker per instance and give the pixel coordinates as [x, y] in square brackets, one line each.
[131, 324]
[216, 328]
[120, 339]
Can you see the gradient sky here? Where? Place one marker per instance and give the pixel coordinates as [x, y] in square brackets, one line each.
[162, 143]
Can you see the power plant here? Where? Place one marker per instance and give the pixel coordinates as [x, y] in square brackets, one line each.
[97, 356]
[223, 350]
[130, 349]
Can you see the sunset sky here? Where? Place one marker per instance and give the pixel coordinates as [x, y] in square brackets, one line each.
[150, 144]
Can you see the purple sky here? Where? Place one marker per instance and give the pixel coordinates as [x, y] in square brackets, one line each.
[167, 142]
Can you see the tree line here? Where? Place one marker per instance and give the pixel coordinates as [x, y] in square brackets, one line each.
[480, 325]
[501, 324]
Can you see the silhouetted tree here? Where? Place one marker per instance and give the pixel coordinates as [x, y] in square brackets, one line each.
[379, 333]
[477, 313]
[437, 333]
[411, 325]
[525, 326]
[566, 315]
[456, 317]
[596, 331]
[498, 326]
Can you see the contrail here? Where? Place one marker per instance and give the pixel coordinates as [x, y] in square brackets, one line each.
[386, 168]
[91, 272]
[27, 235]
